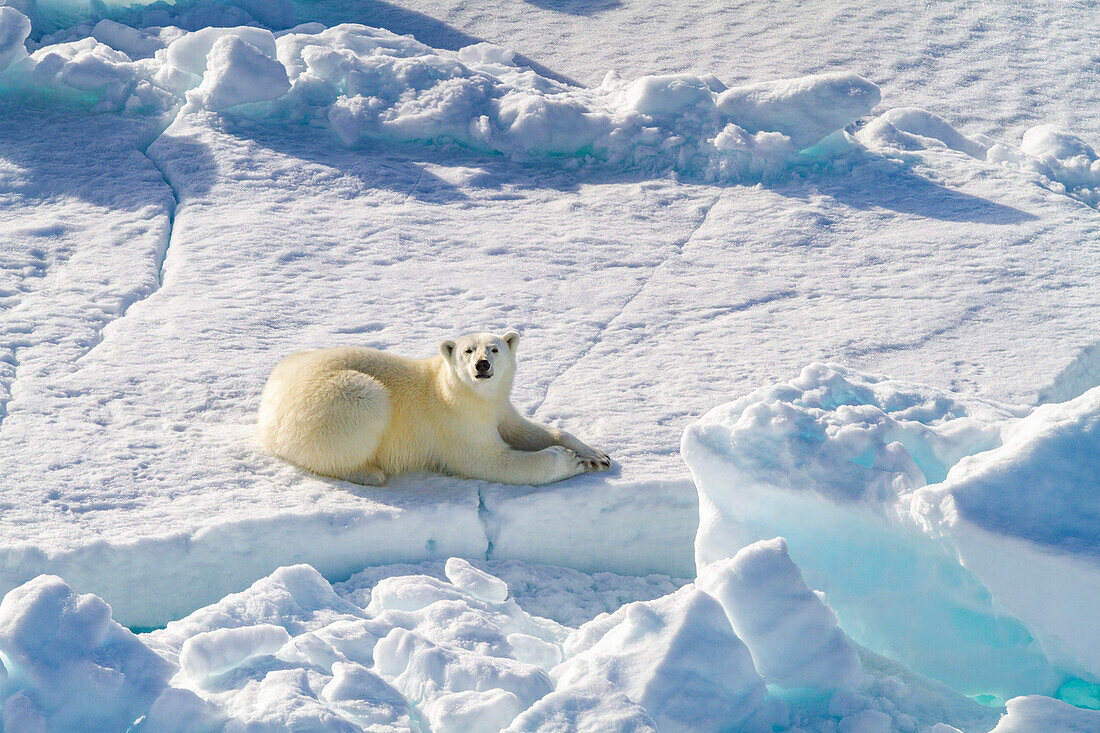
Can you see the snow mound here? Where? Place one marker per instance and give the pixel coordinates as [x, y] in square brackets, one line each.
[919, 549]
[369, 84]
[792, 634]
[69, 664]
[1060, 160]
[678, 657]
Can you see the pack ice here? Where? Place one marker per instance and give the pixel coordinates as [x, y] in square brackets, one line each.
[869, 552]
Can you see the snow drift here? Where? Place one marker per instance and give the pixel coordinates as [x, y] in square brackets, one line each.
[1058, 159]
[922, 516]
[369, 84]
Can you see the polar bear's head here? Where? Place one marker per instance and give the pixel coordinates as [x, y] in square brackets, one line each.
[482, 361]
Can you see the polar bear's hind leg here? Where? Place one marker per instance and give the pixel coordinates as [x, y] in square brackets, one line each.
[355, 415]
[329, 422]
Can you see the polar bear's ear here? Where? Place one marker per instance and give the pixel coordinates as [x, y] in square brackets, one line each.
[447, 349]
[512, 339]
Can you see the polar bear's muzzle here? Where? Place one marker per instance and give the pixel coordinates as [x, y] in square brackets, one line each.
[483, 369]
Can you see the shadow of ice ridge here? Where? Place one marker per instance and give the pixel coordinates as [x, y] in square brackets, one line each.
[860, 178]
[865, 180]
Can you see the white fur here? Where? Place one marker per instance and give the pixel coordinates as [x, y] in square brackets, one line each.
[361, 414]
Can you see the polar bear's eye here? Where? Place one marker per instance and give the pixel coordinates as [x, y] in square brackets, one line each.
[494, 350]
[469, 351]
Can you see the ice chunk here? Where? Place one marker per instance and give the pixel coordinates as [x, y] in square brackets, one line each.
[831, 461]
[425, 671]
[1037, 713]
[296, 598]
[134, 43]
[592, 706]
[182, 711]
[791, 633]
[14, 29]
[486, 53]
[284, 699]
[216, 652]
[239, 73]
[533, 650]
[77, 666]
[411, 593]
[367, 699]
[190, 52]
[476, 582]
[671, 94]
[471, 711]
[804, 109]
[1025, 519]
[675, 656]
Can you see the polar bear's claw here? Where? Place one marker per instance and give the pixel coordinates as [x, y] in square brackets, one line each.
[597, 461]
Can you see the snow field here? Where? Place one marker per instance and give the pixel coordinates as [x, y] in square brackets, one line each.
[923, 517]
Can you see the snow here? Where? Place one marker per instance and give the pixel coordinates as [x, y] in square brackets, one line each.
[734, 193]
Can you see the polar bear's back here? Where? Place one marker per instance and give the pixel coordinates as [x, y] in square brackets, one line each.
[327, 409]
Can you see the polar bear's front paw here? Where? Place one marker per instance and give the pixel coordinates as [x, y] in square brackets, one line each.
[566, 462]
[594, 460]
[597, 461]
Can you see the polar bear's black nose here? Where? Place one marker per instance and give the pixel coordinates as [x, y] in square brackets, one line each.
[482, 365]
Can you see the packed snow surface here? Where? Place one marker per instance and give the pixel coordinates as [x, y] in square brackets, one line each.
[732, 193]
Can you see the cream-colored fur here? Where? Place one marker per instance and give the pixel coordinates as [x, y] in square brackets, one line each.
[361, 414]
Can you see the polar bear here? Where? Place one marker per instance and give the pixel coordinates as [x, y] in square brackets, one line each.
[361, 415]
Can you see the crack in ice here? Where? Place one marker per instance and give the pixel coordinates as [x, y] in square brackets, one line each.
[598, 337]
[161, 254]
